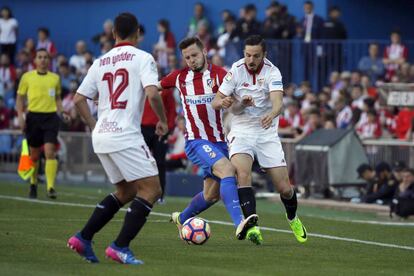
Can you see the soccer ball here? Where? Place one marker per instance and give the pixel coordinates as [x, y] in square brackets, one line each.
[195, 231]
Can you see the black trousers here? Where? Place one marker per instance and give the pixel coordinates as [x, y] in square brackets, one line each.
[159, 149]
[10, 50]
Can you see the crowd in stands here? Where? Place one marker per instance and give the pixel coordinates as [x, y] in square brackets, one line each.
[350, 99]
[388, 185]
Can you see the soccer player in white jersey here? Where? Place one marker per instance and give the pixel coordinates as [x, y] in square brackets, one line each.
[121, 78]
[255, 85]
[205, 144]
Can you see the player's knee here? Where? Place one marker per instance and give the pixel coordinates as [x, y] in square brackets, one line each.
[212, 196]
[157, 192]
[285, 190]
[243, 177]
[126, 195]
[224, 168]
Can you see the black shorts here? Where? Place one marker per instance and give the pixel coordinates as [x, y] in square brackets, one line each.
[41, 128]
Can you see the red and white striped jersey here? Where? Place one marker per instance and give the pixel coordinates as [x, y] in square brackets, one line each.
[197, 91]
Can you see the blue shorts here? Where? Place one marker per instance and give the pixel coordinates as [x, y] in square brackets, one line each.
[205, 154]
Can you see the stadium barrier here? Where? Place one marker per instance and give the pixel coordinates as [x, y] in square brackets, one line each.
[79, 164]
[313, 61]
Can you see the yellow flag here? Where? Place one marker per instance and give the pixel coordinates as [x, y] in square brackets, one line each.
[26, 167]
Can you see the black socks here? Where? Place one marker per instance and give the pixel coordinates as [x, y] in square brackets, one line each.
[290, 205]
[247, 201]
[135, 218]
[103, 213]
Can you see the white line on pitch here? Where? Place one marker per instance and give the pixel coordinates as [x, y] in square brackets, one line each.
[389, 245]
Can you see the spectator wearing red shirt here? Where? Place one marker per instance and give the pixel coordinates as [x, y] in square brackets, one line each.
[24, 63]
[44, 42]
[5, 139]
[7, 76]
[165, 45]
[159, 145]
[403, 123]
[371, 128]
[30, 47]
[394, 55]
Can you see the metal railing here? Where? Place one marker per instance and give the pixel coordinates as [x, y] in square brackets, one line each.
[78, 162]
[313, 61]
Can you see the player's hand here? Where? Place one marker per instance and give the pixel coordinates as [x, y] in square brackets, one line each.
[227, 102]
[267, 120]
[22, 122]
[66, 118]
[247, 100]
[161, 129]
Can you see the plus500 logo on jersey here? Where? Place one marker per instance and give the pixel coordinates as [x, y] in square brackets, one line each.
[199, 99]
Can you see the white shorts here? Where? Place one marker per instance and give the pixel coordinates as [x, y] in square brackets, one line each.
[129, 164]
[266, 148]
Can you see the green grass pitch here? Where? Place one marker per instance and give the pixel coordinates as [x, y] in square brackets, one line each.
[33, 239]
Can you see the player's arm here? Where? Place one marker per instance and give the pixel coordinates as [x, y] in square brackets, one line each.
[168, 81]
[221, 101]
[276, 97]
[157, 106]
[20, 102]
[83, 109]
[238, 107]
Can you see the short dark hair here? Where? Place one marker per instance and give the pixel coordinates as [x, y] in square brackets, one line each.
[44, 30]
[8, 10]
[315, 111]
[254, 40]
[308, 3]
[165, 24]
[411, 171]
[187, 42]
[42, 50]
[126, 25]
[250, 7]
[334, 8]
[372, 112]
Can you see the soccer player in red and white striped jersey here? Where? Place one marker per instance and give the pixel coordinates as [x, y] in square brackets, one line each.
[205, 142]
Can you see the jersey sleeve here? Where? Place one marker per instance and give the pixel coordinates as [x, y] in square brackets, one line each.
[169, 80]
[221, 73]
[275, 80]
[23, 86]
[149, 72]
[228, 83]
[89, 85]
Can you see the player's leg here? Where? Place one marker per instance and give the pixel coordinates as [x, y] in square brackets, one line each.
[224, 170]
[51, 167]
[205, 198]
[243, 163]
[50, 129]
[158, 146]
[139, 169]
[280, 180]
[160, 151]
[35, 156]
[34, 138]
[200, 202]
[271, 157]
[148, 190]
[212, 157]
[104, 211]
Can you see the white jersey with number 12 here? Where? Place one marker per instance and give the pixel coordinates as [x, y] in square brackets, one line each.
[118, 79]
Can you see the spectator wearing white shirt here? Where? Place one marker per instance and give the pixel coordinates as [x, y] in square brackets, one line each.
[8, 33]
[344, 116]
[78, 60]
[371, 128]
